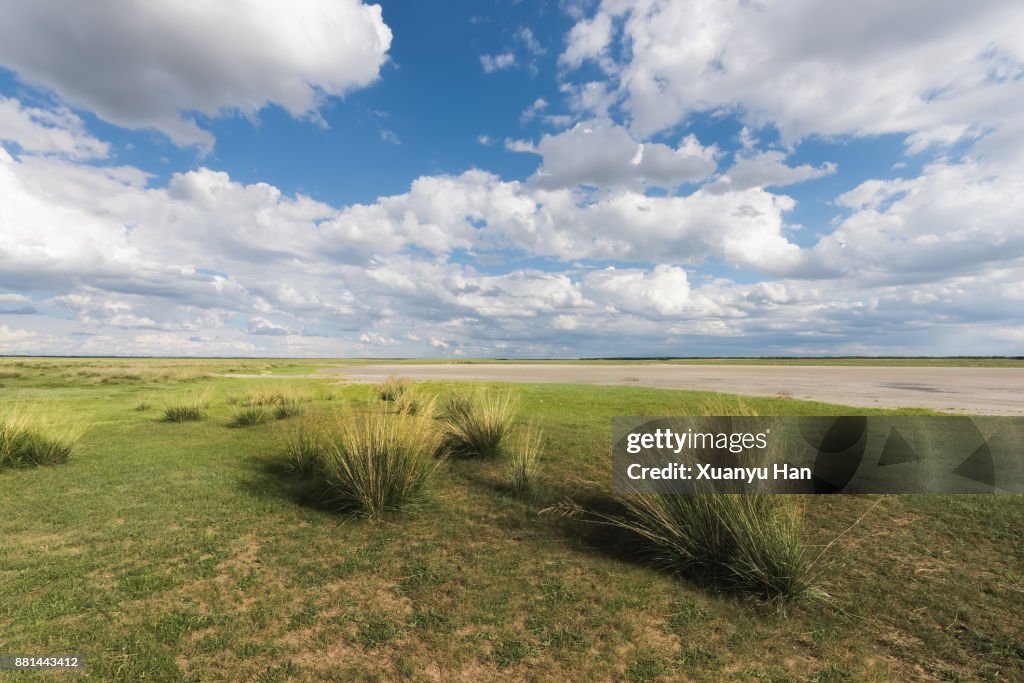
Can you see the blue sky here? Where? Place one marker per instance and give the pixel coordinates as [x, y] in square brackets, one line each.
[333, 178]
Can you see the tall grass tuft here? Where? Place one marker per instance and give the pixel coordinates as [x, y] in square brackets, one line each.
[304, 447]
[417, 404]
[287, 408]
[524, 460]
[379, 462]
[271, 397]
[250, 416]
[25, 442]
[186, 410]
[393, 389]
[753, 542]
[475, 424]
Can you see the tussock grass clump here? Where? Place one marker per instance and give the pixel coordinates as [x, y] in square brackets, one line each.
[186, 410]
[476, 423]
[277, 403]
[143, 405]
[286, 409]
[457, 404]
[304, 447]
[753, 541]
[25, 442]
[269, 397]
[393, 389]
[524, 453]
[379, 461]
[250, 416]
[414, 403]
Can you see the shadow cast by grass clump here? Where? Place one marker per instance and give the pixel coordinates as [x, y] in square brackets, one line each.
[750, 543]
[275, 479]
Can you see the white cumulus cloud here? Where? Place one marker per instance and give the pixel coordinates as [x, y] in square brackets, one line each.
[150, 64]
[937, 71]
[600, 153]
[48, 131]
[768, 169]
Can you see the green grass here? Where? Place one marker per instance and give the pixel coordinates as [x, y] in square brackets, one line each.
[259, 404]
[249, 416]
[286, 409]
[412, 402]
[186, 409]
[34, 441]
[275, 395]
[753, 542]
[378, 462]
[476, 422]
[303, 449]
[393, 389]
[524, 460]
[180, 552]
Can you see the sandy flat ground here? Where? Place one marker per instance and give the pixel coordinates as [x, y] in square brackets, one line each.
[986, 391]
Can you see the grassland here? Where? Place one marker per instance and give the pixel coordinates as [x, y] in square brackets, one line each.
[178, 551]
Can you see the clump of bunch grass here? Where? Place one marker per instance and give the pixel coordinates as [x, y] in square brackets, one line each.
[304, 448]
[393, 389]
[524, 453]
[25, 442]
[186, 410]
[378, 462]
[753, 542]
[250, 416]
[143, 405]
[475, 424]
[271, 397]
[415, 403]
[287, 408]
